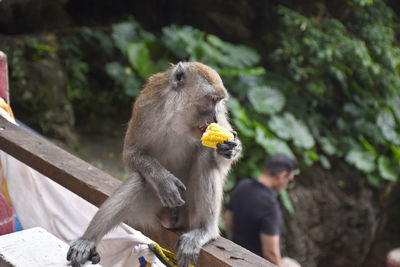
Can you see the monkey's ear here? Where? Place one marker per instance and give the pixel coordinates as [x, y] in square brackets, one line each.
[178, 75]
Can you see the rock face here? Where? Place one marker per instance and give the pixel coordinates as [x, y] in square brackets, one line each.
[37, 85]
[334, 220]
[388, 233]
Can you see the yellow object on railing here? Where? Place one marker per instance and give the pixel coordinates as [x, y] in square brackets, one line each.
[165, 256]
[215, 134]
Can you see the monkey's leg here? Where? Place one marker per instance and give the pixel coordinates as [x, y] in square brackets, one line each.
[132, 197]
[203, 200]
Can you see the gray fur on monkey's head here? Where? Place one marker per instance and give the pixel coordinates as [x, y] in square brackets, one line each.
[197, 96]
[187, 97]
[180, 71]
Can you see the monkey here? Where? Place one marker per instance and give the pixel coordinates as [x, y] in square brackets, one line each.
[175, 182]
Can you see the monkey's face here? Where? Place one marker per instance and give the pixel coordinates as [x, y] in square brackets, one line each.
[201, 98]
[206, 111]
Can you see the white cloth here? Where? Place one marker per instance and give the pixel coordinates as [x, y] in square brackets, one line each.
[38, 201]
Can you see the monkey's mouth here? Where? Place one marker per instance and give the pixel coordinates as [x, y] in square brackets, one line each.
[203, 128]
[199, 131]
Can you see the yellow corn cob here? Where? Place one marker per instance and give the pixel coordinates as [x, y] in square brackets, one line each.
[214, 135]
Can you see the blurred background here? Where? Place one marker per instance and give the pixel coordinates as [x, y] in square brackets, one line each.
[317, 80]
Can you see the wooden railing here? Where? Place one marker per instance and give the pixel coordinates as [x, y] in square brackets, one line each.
[95, 186]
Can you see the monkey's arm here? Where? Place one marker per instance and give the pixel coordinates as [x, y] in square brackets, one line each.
[165, 183]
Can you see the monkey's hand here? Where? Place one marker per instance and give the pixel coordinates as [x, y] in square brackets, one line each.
[168, 192]
[230, 149]
[82, 250]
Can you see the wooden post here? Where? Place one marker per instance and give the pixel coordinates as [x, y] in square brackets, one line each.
[4, 92]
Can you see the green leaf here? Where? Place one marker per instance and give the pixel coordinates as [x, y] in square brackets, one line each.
[266, 100]
[386, 170]
[124, 78]
[368, 146]
[325, 162]
[290, 128]
[299, 131]
[246, 71]
[312, 155]
[124, 33]
[233, 56]
[307, 160]
[396, 152]
[272, 145]
[240, 119]
[362, 160]
[139, 58]
[327, 146]
[387, 124]
[286, 201]
[279, 126]
[373, 180]
[309, 157]
[394, 102]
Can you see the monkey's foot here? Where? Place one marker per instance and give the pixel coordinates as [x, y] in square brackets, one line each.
[82, 250]
[187, 251]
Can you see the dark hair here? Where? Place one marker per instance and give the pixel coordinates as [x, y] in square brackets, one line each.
[278, 163]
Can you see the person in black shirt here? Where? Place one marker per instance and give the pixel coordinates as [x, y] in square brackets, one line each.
[253, 217]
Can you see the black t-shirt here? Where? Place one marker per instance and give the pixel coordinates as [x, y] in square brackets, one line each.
[255, 210]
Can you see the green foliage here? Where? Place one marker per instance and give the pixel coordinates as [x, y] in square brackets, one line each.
[266, 100]
[344, 83]
[331, 91]
[77, 70]
[15, 62]
[37, 51]
[187, 43]
[124, 77]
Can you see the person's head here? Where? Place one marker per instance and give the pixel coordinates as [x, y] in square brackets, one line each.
[280, 169]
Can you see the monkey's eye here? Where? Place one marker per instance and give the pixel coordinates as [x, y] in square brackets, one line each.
[215, 99]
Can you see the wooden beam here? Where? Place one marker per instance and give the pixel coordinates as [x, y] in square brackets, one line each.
[62, 167]
[95, 186]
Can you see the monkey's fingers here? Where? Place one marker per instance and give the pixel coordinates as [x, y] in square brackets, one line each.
[172, 202]
[180, 185]
[95, 257]
[69, 254]
[229, 143]
[229, 149]
[169, 193]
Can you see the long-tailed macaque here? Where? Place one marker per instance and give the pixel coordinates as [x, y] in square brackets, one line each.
[176, 182]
